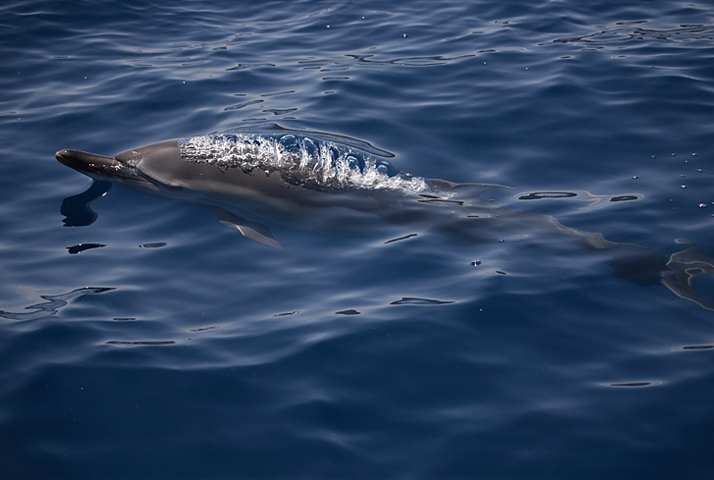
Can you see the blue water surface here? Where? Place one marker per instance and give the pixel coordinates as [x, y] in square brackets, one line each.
[154, 342]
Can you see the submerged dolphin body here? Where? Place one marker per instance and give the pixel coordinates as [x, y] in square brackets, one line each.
[292, 174]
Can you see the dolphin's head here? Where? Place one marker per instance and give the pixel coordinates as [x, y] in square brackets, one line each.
[100, 167]
[123, 168]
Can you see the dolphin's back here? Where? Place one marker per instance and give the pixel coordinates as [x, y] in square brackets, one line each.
[302, 161]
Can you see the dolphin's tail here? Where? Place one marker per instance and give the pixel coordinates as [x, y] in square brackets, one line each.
[682, 268]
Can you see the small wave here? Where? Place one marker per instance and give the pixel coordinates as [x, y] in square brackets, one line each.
[627, 31]
[53, 303]
[309, 162]
[420, 301]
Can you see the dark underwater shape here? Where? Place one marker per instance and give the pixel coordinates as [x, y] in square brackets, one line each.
[76, 208]
[420, 301]
[634, 384]
[153, 245]
[79, 248]
[311, 180]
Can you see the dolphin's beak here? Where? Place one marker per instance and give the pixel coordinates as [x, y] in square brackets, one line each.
[86, 162]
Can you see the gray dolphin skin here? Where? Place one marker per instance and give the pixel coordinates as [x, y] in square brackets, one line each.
[290, 175]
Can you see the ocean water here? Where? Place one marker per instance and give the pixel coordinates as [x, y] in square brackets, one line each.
[147, 340]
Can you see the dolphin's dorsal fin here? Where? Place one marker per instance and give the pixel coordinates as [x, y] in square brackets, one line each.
[254, 231]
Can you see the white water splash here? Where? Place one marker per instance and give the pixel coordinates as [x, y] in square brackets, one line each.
[301, 160]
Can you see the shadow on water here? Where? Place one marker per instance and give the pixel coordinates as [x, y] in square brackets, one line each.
[76, 208]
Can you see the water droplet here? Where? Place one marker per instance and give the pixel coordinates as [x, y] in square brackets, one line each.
[501, 241]
[476, 263]
[404, 35]
[635, 177]
[702, 205]
[694, 154]
[684, 186]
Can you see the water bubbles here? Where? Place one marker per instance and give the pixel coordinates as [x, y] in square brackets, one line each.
[288, 140]
[702, 205]
[635, 177]
[310, 162]
[476, 263]
[352, 162]
[334, 153]
[309, 146]
[684, 186]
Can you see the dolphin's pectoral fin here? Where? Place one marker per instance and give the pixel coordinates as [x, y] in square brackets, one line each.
[253, 234]
[682, 268]
[254, 231]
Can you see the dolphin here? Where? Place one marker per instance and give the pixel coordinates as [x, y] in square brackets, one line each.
[288, 174]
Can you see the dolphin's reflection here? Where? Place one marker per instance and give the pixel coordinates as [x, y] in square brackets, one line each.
[76, 208]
